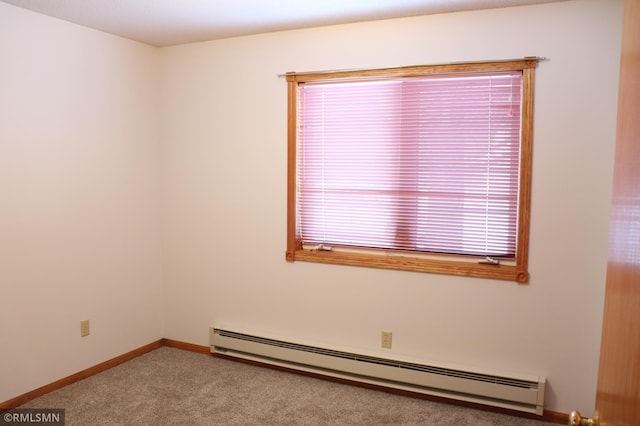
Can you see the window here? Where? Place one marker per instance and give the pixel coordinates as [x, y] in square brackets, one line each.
[422, 168]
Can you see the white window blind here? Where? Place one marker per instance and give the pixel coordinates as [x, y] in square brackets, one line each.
[428, 164]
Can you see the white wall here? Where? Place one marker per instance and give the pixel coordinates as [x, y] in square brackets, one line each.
[79, 198]
[223, 131]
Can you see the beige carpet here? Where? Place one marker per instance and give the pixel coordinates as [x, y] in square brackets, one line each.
[175, 387]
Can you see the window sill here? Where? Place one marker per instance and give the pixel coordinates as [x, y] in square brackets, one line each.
[406, 263]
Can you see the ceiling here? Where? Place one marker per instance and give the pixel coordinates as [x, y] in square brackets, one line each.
[171, 22]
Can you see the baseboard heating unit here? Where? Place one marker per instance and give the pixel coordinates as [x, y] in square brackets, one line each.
[512, 391]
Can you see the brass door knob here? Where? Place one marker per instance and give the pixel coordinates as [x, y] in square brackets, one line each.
[575, 419]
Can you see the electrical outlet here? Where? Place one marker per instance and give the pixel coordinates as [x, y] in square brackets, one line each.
[386, 339]
[84, 328]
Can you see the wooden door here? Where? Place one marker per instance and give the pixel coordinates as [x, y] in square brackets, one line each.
[618, 394]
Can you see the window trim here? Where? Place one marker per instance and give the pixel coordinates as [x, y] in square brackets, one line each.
[443, 264]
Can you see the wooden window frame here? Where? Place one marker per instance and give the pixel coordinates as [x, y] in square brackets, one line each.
[516, 270]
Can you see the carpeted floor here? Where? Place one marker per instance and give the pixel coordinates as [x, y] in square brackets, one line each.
[170, 386]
